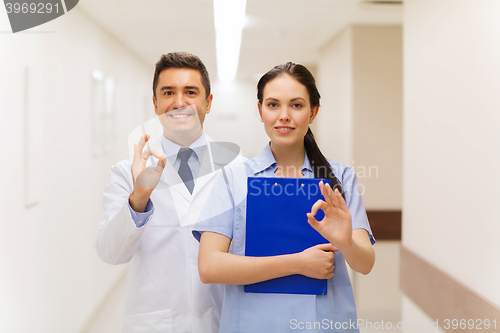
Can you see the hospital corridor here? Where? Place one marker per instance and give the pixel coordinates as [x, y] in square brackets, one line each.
[410, 101]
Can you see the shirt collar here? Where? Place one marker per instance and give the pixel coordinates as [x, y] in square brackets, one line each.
[307, 165]
[171, 149]
[266, 160]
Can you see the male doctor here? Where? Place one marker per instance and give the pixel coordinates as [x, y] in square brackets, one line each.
[150, 208]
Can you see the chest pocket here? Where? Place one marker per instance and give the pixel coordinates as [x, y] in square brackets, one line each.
[166, 209]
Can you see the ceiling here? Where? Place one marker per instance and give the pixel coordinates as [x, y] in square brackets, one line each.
[275, 30]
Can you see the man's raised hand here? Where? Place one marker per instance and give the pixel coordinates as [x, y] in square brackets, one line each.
[145, 180]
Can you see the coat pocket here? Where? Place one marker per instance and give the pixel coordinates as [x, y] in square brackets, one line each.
[150, 322]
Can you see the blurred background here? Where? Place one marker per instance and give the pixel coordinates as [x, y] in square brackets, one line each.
[410, 100]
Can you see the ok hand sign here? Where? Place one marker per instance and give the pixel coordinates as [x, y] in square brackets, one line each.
[145, 180]
[143, 177]
[336, 226]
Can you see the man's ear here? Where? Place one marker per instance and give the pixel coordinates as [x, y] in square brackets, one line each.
[314, 113]
[209, 103]
[259, 106]
[156, 106]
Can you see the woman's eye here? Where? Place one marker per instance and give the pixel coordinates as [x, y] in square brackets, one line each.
[297, 105]
[272, 105]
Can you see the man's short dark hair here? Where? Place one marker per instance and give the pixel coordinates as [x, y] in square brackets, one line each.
[181, 60]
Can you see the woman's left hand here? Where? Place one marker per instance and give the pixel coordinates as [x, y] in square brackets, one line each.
[336, 226]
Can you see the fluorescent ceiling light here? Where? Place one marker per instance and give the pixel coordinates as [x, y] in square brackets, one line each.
[97, 75]
[229, 18]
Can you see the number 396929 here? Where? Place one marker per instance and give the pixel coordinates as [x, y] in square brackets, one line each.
[33, 8]
[469, 324]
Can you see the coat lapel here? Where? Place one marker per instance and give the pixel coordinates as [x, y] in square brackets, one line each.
[206, 169]
[209, 163]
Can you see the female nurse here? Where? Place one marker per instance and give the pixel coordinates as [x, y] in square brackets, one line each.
[288, 102]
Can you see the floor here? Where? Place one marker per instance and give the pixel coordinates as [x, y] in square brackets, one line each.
[378, 299]
[108, 317]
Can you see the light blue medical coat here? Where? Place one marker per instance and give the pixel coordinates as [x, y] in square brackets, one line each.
[225, 213]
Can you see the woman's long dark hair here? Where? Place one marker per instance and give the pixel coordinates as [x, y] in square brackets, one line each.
[319, 164]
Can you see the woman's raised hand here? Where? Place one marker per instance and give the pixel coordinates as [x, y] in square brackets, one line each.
[336, 226]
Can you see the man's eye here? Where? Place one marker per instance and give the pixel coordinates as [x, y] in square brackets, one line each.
[168, 93]
[190, 92]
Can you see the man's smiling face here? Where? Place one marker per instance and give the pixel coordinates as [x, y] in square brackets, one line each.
[181, 101]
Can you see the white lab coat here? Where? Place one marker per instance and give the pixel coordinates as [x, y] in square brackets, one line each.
[164, 291]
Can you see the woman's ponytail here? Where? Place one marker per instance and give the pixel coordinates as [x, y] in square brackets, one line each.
[320, 166]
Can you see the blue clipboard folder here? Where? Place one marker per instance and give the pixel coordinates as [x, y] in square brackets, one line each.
[277, 224]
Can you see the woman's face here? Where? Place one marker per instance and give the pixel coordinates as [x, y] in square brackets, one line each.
[286, 111]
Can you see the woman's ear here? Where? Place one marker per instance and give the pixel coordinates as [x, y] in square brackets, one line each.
[259, 106]
[314, 113]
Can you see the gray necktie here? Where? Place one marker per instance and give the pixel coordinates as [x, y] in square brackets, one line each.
[184, 170]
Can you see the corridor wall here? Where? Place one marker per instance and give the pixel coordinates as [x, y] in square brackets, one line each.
[451, 159]
[360, 125]
[51, 279]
